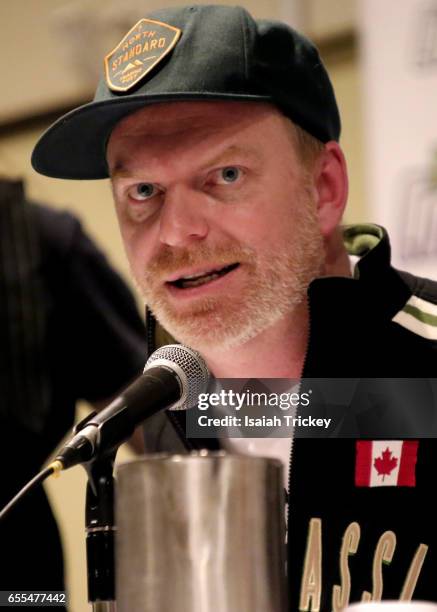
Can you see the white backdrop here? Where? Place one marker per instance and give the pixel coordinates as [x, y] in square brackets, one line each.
[399, 54]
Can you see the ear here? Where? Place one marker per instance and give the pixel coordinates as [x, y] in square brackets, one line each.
[331, 185]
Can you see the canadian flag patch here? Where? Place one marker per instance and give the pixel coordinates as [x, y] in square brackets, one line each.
[386, 463]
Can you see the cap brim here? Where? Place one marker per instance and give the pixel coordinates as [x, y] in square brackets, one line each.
[74, 147]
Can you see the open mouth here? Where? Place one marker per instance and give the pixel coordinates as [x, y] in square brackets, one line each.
[196, 280]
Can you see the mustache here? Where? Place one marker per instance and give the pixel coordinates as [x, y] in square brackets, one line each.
[169, 260]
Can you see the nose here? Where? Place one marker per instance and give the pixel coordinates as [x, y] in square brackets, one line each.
[182, 218]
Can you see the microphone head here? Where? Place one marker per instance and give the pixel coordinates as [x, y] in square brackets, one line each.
[190, 368]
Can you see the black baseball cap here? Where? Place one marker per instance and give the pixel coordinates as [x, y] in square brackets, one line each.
[198, 52]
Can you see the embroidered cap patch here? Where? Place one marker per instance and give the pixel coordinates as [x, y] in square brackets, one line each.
[144, 46]
[386, 463]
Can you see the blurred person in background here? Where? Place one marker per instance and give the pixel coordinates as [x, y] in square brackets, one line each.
[70, 331]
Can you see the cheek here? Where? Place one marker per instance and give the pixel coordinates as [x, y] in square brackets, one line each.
[261, 225]
[136, 245]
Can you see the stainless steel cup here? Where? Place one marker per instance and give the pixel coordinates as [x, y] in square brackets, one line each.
[200, 533]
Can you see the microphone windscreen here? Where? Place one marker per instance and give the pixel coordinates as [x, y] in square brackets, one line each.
[190, 367]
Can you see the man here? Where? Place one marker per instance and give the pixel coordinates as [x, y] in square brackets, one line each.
[220, 135]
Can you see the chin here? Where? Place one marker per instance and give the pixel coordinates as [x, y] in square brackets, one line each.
[218, 330]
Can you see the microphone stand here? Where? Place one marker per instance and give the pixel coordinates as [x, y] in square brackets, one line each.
[99, 528]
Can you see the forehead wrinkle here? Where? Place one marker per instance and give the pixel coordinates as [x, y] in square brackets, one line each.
[167, 126]
[159, 136]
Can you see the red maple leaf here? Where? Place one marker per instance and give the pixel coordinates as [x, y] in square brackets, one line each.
[386, 463]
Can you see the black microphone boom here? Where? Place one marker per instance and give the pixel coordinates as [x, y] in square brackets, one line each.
[173, 377]
[151, 392]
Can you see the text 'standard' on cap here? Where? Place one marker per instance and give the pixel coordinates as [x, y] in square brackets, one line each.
[200, 52]
[146, 44]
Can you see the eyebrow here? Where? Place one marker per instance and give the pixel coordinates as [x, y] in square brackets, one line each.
[231, 151]
[120, 170]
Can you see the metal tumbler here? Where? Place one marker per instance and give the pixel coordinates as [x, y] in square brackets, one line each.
[203, 532]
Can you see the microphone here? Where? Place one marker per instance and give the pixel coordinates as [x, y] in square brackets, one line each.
[173, 377]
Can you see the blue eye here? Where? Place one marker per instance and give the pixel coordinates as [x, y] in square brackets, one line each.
[230, 174]
[142, 191]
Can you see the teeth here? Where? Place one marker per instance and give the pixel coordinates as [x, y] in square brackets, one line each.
[194, 280]
[191, 276]
[199, 280]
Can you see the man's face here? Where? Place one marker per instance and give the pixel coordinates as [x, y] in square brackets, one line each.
[216, 216]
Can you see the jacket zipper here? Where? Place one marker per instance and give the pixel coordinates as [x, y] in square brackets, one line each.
[150, 332]
[151, 348]
[181, 433]
[296, 414]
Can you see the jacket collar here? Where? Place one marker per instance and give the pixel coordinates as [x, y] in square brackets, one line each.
[350, 316]
[376, 289]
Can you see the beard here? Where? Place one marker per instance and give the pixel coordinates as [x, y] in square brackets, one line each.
[275, 283]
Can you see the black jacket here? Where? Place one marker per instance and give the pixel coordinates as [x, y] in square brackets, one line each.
[381, 540]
